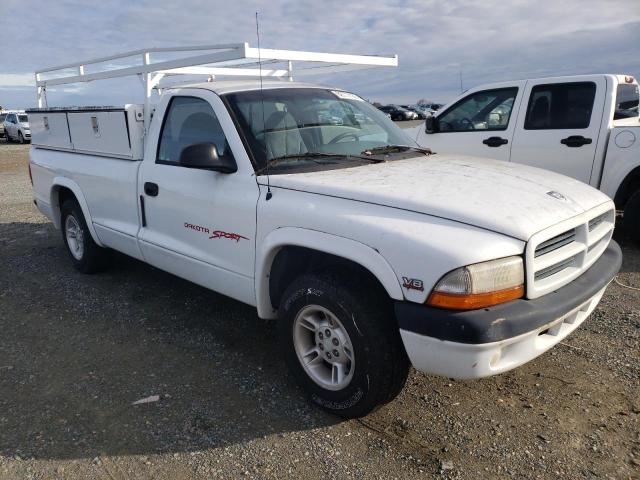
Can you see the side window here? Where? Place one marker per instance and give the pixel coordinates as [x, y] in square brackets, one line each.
[189, 121]
[486, 110]
[627, 100]
[560, 106]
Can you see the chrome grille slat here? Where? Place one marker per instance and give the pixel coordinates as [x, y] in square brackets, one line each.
[555, 242]
[593, 223]
[556, 268]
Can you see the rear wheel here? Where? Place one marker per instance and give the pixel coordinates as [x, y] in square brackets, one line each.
[86, 255]
[342, 344]
[631, 217]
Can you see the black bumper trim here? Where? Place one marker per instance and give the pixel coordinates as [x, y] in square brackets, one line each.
[512, 318]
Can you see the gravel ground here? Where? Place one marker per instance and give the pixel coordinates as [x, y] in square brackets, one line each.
[76, 351]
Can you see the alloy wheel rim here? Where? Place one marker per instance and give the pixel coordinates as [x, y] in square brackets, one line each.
[75, 237]
[323, 347]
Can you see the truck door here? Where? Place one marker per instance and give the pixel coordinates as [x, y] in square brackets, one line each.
[558, 129]
[479, 124]
[199, 224]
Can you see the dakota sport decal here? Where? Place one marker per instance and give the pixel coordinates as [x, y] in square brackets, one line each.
[216, 233]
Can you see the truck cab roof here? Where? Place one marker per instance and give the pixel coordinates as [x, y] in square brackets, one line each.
[222, 87]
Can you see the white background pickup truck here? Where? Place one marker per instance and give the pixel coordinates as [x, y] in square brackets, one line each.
[585, 126]
[370, 252]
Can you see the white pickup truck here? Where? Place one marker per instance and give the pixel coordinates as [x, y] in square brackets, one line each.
[585, 126]
[371, 253]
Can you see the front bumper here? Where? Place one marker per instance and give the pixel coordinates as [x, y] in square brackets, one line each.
[480, 343]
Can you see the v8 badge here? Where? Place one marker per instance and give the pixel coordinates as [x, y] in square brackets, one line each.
[412, 284]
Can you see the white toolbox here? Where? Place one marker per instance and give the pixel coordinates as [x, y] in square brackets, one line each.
[104, 131]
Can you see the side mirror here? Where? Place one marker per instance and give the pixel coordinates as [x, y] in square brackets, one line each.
[205, 156]
[431, 124]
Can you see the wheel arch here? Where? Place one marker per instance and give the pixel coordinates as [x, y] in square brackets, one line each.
[63, 188]
[627, 188]
[289, 251]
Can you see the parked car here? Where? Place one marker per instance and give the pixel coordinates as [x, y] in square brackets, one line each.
[585, 126]
[426, 111]
[419, 113]
[2, 117]
[398, 113]
[16, 127]
[368, 251]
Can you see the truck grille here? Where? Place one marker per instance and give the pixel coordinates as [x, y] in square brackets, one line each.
[556, 256]
[555, 242]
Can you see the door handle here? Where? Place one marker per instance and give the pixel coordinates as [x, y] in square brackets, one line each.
[495, 141]
[575, 141]
[151, 189]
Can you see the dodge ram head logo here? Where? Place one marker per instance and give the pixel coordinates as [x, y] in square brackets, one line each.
[412, 284]
[557, 195]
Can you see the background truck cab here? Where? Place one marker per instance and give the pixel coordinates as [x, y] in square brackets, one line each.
[583, 126]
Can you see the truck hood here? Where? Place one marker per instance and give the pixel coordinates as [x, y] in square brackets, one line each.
[508, 198]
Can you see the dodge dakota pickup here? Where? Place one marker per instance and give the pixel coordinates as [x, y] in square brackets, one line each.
[370, 253]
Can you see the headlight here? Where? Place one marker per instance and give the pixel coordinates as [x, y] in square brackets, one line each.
[480, 285]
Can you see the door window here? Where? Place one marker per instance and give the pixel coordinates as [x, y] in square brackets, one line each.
[627, 99]
[560, 106]
[189, 121]
[486, 110]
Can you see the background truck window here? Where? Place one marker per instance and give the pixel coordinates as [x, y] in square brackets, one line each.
[560, 106]
[627, 99]
[189, 121]
[486, 110]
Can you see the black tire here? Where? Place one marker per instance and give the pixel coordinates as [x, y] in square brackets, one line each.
[381, 363]
[631, 217]
[7, 137]
[20, 138]
[93, 258]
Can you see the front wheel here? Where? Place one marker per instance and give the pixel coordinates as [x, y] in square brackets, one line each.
[20, 138]
[86, 255]
[342, 344]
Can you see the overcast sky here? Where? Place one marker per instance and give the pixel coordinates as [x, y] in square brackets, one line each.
[489, 40]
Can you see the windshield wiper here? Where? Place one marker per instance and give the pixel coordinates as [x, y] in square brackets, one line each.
[394, 148]
[313, 157]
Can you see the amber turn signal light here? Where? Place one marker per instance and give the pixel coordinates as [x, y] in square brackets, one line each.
[474, 300]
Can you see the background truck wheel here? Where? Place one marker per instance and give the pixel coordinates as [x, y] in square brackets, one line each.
[342, 344]
[631, 217]
[86, 255]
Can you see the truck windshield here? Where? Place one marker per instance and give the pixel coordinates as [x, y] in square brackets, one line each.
[626, 101]
[23, 118]
[300, 127]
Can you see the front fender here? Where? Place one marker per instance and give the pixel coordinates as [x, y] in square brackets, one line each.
[343, 247]
[59, 182]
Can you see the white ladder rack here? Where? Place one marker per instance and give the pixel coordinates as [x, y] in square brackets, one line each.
[229, 60]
